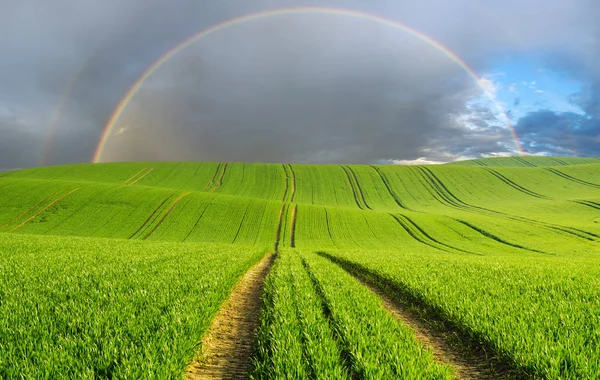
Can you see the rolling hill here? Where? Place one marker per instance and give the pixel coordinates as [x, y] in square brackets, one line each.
[116, 270]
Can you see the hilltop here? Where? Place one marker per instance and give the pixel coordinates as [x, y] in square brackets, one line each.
[502, 252]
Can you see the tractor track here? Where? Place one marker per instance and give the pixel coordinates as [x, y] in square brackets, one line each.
[142, 176]
[469, 358]
[133, 176]
[166, 214]
[28, 211]
[44, 209]
[228, 346]
[147, 221]
[514, 185]
[388, 187]
[293, 226]
[571, 178]
[220, 180]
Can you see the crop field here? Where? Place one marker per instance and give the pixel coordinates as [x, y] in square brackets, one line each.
[487, 268]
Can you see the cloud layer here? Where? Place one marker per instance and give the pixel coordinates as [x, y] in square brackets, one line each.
[303, 88]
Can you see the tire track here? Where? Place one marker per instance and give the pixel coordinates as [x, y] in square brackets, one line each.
[44, 209]
[220, 181]
[420, 235]
[293, 227]
[489, 235]
[166, 214]
[471, 357]
[455, 202]
[360, 206]
[304, 326]
[388, 187]
[347, 360]
[591, 204]
[525, 162]
[515, 185]
[561, 162]
[147, 221]
[28, 211]
[206, 207]
[143, 175]
[133, 176]
[358, 187]
[242, 221]
[212, 180]
[278, 229]
[287, 183]
[293, 182]
[443, 194]
[571, 178]
[328, 226]
[229, 344]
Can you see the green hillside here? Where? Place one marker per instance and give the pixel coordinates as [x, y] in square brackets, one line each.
[504, 252]
[529, 161]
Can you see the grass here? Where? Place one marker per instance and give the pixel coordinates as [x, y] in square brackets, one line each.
[319, 322]
[115, 270]
[85, 307]
[540, 314]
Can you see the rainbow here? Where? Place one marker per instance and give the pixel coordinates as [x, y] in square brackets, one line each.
[287, 11]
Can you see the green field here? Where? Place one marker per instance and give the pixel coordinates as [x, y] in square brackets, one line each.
[116, 270]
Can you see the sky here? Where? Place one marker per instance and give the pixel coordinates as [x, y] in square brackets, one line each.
[305, 87]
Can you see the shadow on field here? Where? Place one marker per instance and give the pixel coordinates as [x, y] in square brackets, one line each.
[467, 352]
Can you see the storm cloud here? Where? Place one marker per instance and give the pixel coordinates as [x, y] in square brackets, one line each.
[290, 88]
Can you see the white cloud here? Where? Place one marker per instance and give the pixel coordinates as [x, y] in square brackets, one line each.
[122, 130]
[490, 86]
[418, 161]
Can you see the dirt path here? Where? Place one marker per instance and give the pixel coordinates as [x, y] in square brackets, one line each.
[228, 345]
[436, 342]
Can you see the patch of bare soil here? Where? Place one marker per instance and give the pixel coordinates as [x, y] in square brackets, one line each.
[229, 343]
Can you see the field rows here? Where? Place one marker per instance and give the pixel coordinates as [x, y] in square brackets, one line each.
[116, 270]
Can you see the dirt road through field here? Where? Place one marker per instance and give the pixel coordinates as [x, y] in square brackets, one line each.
[228, 345]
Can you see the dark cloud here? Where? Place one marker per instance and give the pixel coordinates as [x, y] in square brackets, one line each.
[303, 89]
